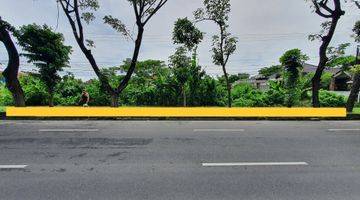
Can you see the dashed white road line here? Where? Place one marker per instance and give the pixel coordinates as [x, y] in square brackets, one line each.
[249, 164]
[218, 130]
[68, 130]
[12, 167]
[339, 130]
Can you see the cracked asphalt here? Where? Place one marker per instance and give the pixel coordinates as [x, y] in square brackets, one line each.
[163, 160]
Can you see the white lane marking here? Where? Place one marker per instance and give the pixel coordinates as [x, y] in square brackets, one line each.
[218, 130]
[254, 164]
[68, 130]
[13, 166]
[339, 130]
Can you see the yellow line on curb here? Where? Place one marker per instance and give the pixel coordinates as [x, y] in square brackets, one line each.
[171, 112]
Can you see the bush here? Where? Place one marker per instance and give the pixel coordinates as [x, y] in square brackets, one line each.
[35, 90]
[68, 91]
[98, 97]
[275, 96]
[329, 99]
[5, 96]
[245, 95]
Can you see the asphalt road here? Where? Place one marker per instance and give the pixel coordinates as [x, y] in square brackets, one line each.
[210, 160]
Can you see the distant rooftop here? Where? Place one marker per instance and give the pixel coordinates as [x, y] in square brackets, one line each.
[309, 68]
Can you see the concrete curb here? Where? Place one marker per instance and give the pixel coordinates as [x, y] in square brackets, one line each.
[175, 112]
[350, 117]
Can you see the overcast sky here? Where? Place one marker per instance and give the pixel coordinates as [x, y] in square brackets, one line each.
[265, 29]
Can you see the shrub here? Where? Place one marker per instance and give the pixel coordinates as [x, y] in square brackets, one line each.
[245, 95]
[34, 89]
[98, 97]
[329, 99]
[5, 96]
[275, 96]
[69, 90]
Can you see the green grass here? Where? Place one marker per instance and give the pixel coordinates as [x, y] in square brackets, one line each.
[356, 110]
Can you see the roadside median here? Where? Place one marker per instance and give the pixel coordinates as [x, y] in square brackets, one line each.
[173, 112]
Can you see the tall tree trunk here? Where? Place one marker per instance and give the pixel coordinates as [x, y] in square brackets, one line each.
[134, 59]
[78, 32]
[114, 100]
[326, 39]
[354, 94]
[51, 99]
[11, 72]
[316, 80]
[228, 87]
[184, 95]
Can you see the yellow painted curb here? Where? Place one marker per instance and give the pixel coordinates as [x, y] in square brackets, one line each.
[172, 112]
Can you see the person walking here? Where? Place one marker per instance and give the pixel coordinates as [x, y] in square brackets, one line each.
[85, 98]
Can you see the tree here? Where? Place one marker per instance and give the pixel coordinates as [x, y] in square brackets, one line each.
[337, 57]
[189, 36]
[77, 11]
[180, 64]
[224, 45]
[324, 10]
[12, 69]
[292, 61]
[354, 94]
[47, 51]
[356, 31]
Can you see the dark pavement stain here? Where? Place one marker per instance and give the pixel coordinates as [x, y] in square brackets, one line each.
[182, 140]
[46, 154]
[117, 154]
[78, 156]
[61, 170]
[84, 143]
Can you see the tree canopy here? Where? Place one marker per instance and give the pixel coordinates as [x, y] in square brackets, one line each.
[46, 50]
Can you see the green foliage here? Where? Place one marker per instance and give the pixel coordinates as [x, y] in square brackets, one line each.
[326, 78]
[293, 56]
[237, 77]
[187, 34]
[69, 90]
[272, 70]
[145, 71]
[356, 111]
[224, 44]
[275, 96]
[5, 96]
[180, 64]
[355, 69]
[292, 61]
[337, 57]
[325, 82]
[97, 95]
[117, 25]
[329, 99]
[46, 50]
[246, 96]
[344, 62]
[35, 90]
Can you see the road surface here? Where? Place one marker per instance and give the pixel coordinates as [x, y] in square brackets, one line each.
[210, 160]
